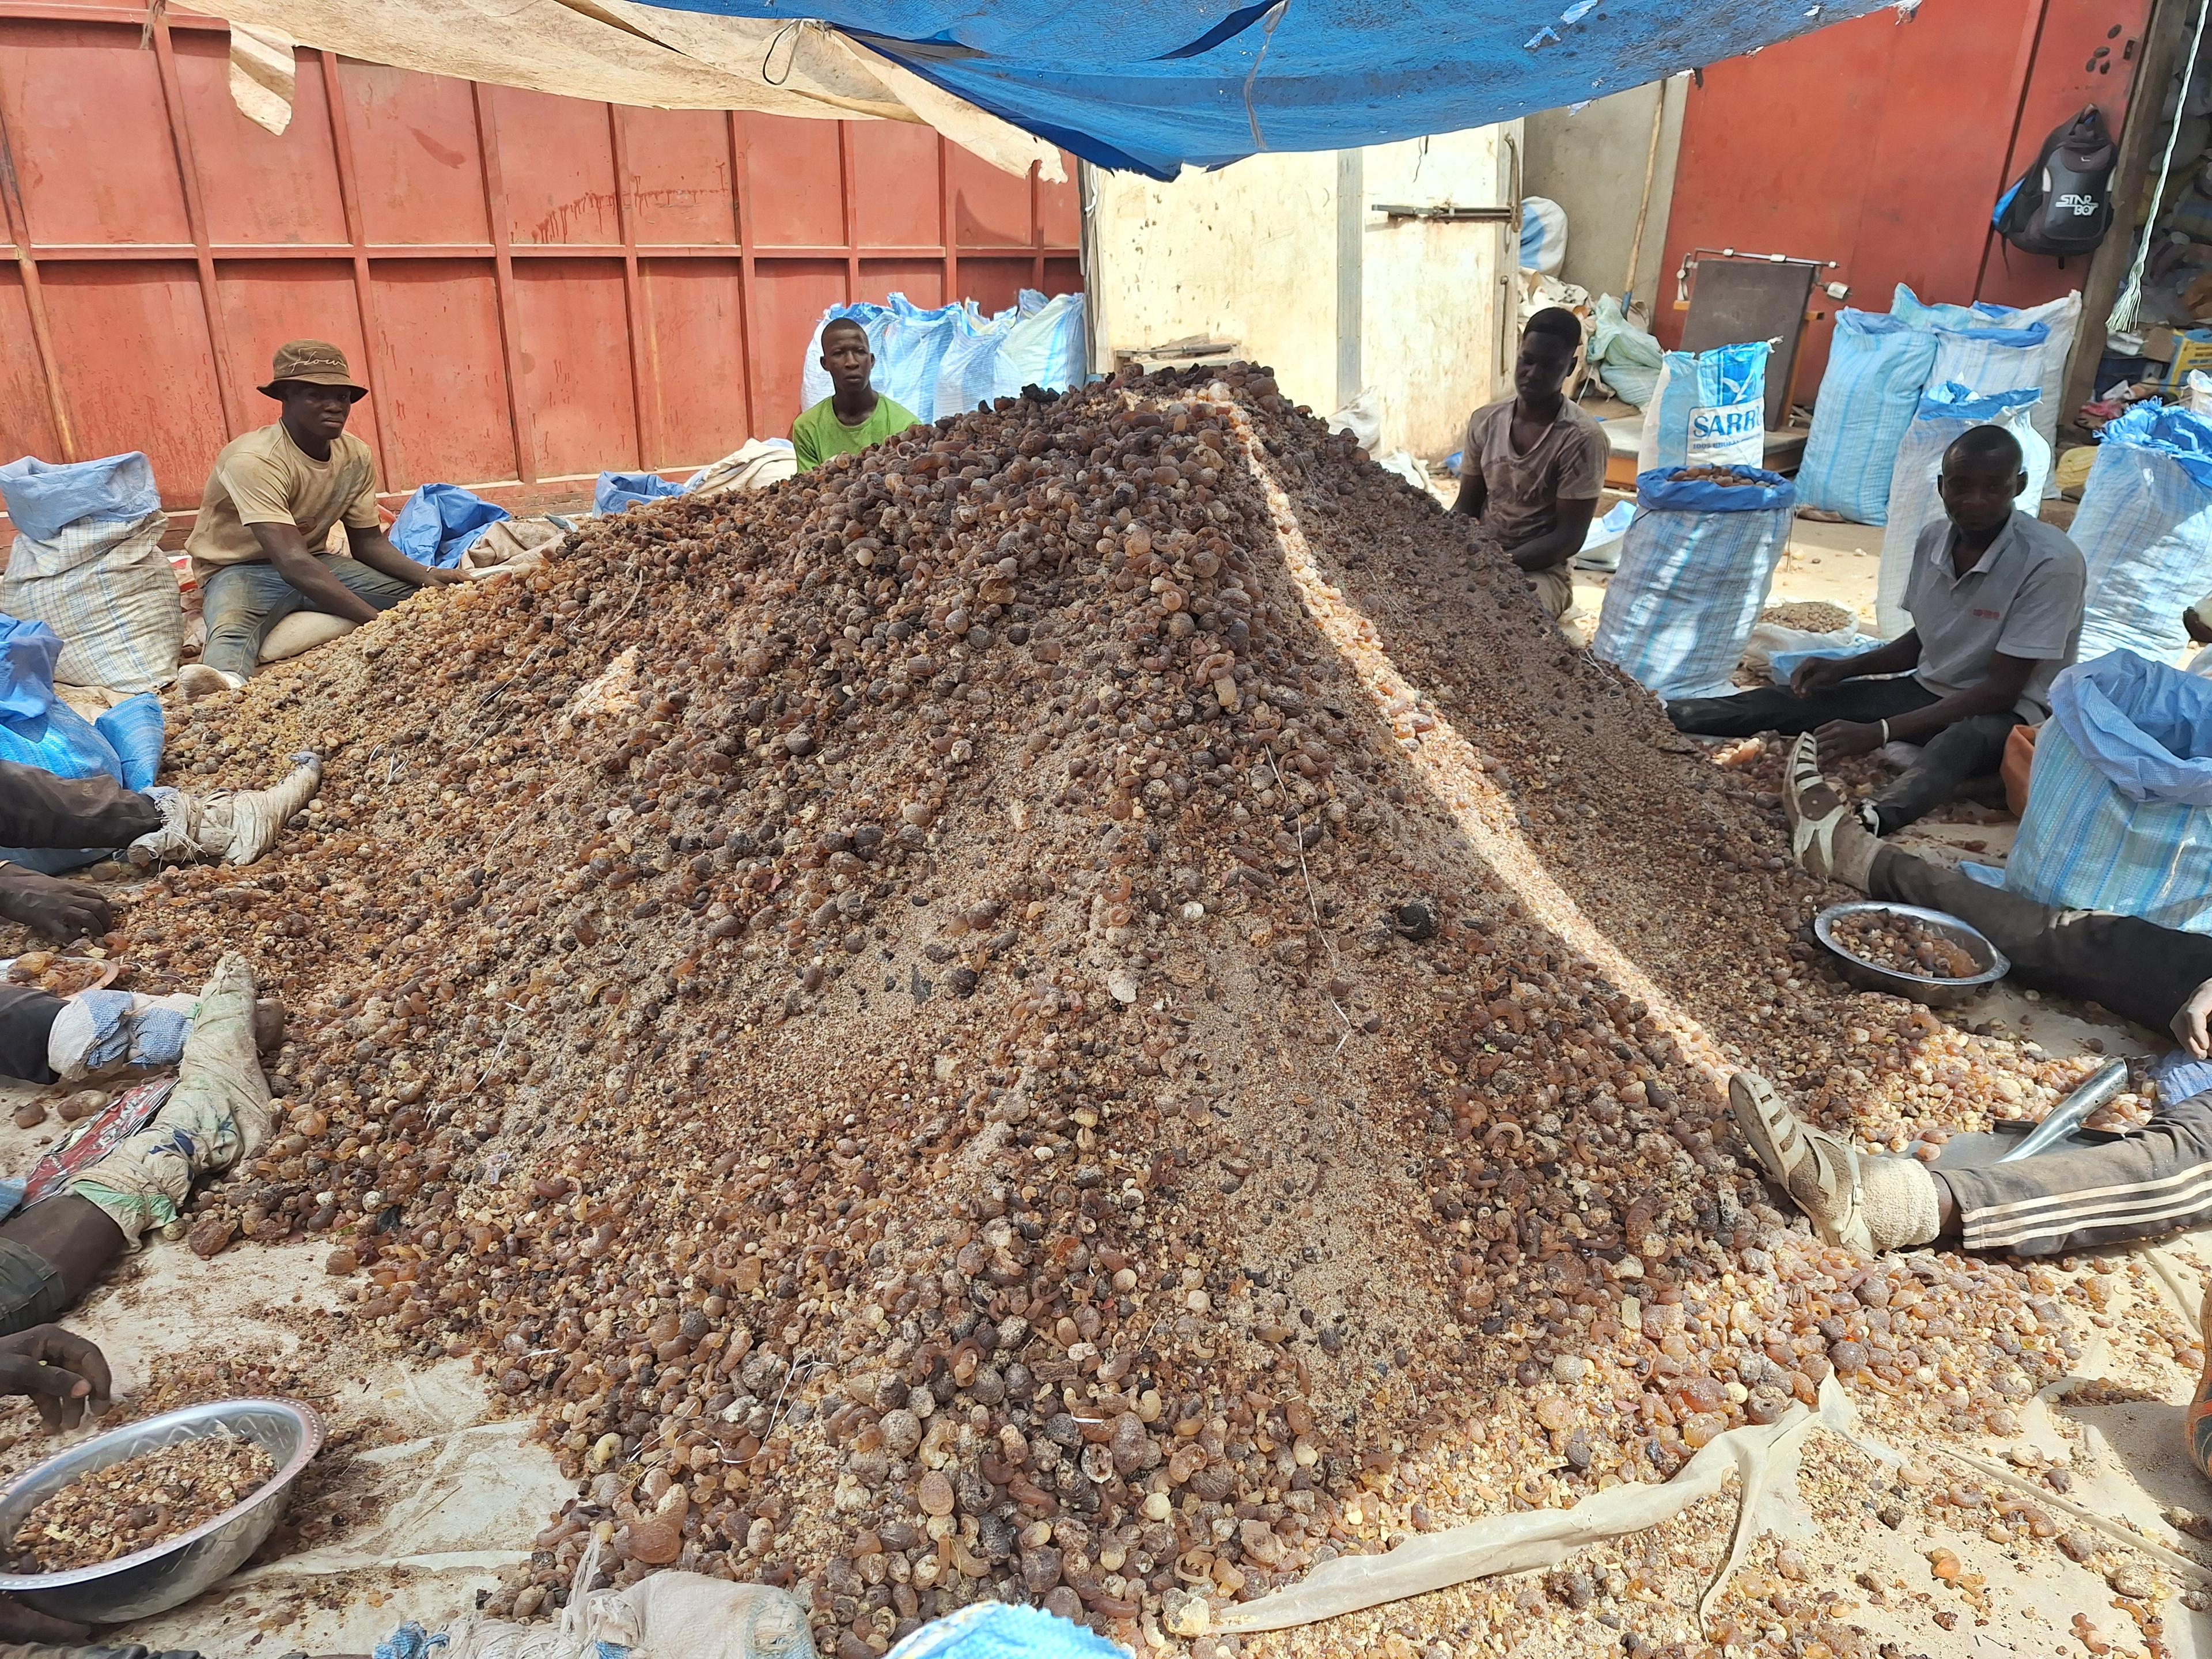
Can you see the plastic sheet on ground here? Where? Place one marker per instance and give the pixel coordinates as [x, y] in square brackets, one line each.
[1764, 1461]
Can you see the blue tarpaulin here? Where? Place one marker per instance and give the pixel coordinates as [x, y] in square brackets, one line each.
[1148, 85]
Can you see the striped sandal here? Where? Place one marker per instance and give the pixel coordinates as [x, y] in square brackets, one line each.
[1828, 840]
[1819, 1172]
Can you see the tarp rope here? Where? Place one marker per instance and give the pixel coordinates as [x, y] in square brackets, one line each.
[2127, 309]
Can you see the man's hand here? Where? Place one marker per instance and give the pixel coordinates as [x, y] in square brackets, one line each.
[2188, 1024]
[427, 576]
[1816, 673]
[65, 1376]
[63, 910]
[1841, 739]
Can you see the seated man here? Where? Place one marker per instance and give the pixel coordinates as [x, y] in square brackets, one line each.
[1996, 601]
[1533, 466]
[2156, 1181]
[257, 545]
[854, 415]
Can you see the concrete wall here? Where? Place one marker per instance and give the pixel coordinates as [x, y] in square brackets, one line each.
[1251, 253]
[1591, 163]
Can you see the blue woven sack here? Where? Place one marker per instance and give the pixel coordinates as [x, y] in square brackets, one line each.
[1877, 369]
[1695, 568]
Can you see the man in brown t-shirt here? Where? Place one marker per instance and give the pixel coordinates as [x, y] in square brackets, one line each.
[1533, 465]
[257, 545]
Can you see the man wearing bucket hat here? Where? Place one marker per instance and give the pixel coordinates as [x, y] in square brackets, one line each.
[257, 544]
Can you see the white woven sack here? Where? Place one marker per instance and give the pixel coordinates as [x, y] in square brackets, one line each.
[106, 588]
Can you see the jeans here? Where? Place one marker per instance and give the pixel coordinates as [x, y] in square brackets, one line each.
[243, 602]
[1961, 752]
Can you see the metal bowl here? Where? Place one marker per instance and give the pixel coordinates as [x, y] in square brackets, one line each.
[156, 1579]
[1920, 988]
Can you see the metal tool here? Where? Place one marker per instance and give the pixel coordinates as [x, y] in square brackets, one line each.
[2061, 1126]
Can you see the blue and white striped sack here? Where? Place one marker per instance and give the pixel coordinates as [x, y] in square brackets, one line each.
[2061, 320]
[1943, 415]
[1695, 568]
[1877, 367]
[108, 590]
[2119, 803]
[1543, 235]
[1709, 409]
[2145, 525]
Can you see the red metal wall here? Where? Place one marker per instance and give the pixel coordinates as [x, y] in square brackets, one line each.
[534, 289]
[1883, 144]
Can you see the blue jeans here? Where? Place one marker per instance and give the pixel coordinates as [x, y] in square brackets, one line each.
[243, 602]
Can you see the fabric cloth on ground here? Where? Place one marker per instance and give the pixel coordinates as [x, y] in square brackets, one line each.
[218, 1114]
[675, 1615]
[618, 492]
[2021, 599]
[756, 464]
[1961, 752]
[1522, 489]
[821, 432]
[243, 602]
[263, 478]
[95, 1031]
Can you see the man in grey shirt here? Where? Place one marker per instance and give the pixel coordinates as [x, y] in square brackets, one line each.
[1996, 601]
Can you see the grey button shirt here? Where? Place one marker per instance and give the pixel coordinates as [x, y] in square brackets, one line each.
[2022, 598]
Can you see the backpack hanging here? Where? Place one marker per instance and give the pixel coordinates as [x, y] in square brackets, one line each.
[2062, 204]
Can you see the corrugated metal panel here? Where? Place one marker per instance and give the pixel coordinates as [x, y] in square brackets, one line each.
[1883, 144]
[534, 288]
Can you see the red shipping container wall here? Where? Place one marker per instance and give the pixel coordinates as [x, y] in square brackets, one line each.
[1884, 144]
[533, 289]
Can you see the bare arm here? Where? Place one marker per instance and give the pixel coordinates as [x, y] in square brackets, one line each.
[287, 550]
[374, 548]
[1562, 541]
[1474, 494]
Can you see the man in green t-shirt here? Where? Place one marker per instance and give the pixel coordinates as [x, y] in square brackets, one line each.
[853, 415]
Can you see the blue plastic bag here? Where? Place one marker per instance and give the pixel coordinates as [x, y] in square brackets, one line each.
[134, 729]
[618, 492]
[441, 521]
[28, 651]
[996, 1630]
[60, 741]
[1695, 568]
[2145, 526]
[2116, 801]
[44, 497]
[1709, 409]
[1877, 367]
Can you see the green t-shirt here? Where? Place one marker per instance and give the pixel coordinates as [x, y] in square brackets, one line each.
[818, 434]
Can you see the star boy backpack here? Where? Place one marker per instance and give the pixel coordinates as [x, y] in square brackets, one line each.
[2062, 204]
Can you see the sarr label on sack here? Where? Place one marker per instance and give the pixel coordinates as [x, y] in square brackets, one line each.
[1728, 434]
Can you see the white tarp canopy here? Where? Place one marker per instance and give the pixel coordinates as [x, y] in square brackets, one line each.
[617, 52]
